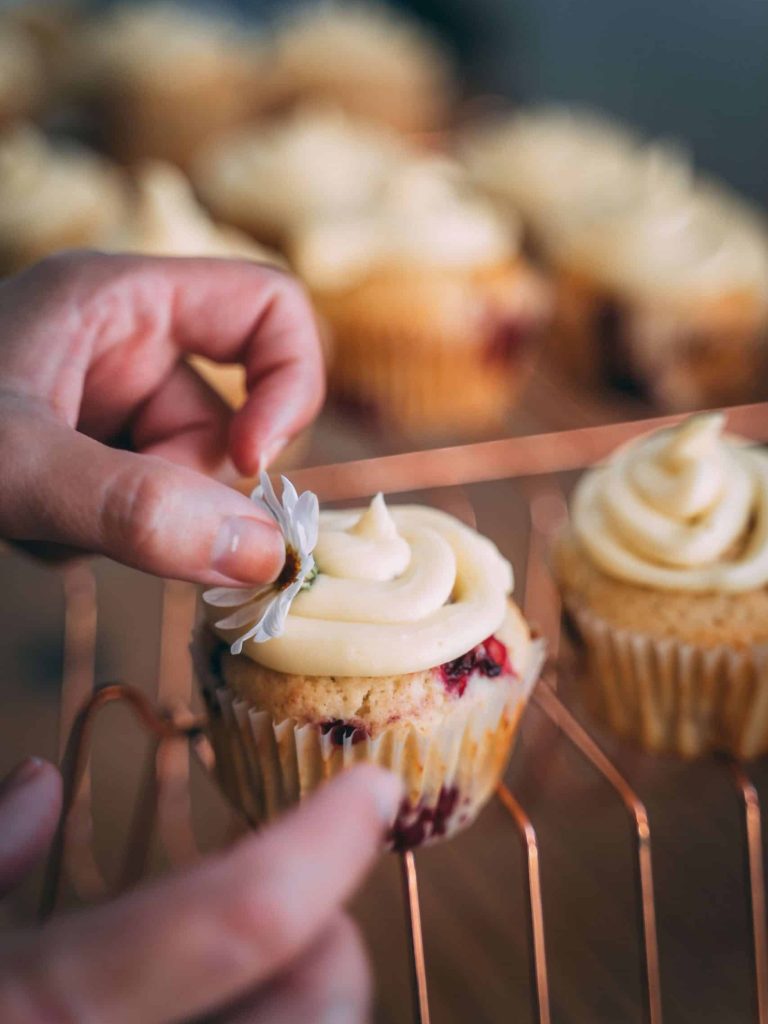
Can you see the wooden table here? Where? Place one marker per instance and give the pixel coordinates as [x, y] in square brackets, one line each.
[472, 889]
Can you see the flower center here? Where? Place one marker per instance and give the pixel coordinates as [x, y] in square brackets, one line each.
[290, 571]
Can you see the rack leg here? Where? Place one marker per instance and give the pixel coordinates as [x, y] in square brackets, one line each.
[415, 938]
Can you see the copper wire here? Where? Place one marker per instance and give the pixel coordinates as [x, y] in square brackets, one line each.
[410, 887]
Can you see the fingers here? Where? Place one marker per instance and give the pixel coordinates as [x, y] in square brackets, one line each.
[329, 984]
[203, 939]
[186, 422]
[30, 801]
[58, 485]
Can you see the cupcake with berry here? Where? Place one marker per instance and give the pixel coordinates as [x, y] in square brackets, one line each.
[664, 574]
[434, 313]
[389, 637]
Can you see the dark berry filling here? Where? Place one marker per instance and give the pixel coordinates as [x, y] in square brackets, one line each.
[490, 659]
[414, 825]
[339, 731]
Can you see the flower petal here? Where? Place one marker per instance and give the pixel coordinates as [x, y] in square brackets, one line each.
[249, 613]
[290, 497]
[230, 597]
[269, 498]
[307, 521]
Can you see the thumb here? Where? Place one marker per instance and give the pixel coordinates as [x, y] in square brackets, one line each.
[59, 485]
[30, 801]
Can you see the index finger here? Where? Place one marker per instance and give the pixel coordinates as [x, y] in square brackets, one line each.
[186, 945]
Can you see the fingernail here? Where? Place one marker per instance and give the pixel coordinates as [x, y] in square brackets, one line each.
[22, 773]
[247, 550]
[270, 452]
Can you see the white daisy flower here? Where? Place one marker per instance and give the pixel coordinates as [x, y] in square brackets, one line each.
[264, 609]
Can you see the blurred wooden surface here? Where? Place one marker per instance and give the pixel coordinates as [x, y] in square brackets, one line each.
[472, 889]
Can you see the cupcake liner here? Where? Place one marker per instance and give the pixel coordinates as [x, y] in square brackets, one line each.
[434, 353]
[449, 768]
[675, 697]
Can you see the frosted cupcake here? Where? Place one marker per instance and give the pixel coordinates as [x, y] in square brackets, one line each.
[433, 312]
[53, 198]
[273, 178]
[664, 573]
[401, 647]
[163, 218]
[672, 297]
[366, 59]
[162, 78]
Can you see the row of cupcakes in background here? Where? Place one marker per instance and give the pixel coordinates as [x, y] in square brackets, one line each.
[426, 270]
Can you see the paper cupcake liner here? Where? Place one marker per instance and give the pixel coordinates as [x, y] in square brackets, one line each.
[396, 354]
[674, 697]
[710, 354]
[449, 769]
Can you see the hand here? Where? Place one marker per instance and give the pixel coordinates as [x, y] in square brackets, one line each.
[253, 934]
[91, 351]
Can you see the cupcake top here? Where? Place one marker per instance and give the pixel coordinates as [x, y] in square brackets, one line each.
[358, 56]
[684, 247]
[426, 216]
[684, 509]
[565, 168]
[397, 591]
[279, 175]
[22, 74]
[165, 219]
[44, 189]
[156, 41]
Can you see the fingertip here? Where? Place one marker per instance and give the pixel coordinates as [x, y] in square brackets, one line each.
[248, 550]
[382, 788]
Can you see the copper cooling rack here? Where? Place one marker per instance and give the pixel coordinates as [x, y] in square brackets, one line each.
[163, 807]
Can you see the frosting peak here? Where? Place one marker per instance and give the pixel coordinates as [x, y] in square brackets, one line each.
[684, 509]
[369, 549]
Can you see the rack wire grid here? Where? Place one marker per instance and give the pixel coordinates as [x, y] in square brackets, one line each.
[163, 805]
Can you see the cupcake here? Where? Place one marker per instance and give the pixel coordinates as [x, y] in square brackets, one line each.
[22, 73]
[161, 78]
[661, 279]
[52, 197]
[670, 297]
[163, 218]
[401, 647]
[367, 59]
[432, 310]
[664, 575]
[270, 179]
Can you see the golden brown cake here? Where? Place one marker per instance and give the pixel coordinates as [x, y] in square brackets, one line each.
[401, 648]
[434, 314]
[664, 573]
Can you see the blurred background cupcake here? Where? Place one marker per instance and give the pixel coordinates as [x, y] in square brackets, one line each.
[660, 277]
[53, 197]
[433, 312]
[366, 58]
[160, 78]
[271, 178]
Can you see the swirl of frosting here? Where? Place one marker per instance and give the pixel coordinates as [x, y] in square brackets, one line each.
[427, 215]
[398, 591]
[683, 509]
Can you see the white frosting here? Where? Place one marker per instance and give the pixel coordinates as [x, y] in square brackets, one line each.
[564, 169]
[683, 509]
[426, 216]
[46, 192]
[399, 591]
[167, 220]
[699, 242]
[317, 163]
